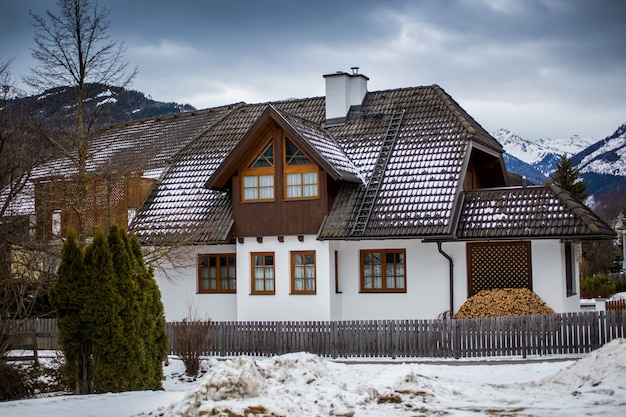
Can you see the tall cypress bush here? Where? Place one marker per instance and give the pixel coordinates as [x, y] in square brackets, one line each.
[110, 315]
[102, 316]
[153, 326]
[68, 297]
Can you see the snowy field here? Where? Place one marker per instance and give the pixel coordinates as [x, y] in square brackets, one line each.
[306, 385]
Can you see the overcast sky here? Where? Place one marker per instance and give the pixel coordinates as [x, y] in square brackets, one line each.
[540, 68]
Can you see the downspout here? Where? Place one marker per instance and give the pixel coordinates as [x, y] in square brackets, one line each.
[445, 255]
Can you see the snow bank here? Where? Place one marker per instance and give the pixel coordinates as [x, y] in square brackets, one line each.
[603, 367]
[292, 384]
[302, 384]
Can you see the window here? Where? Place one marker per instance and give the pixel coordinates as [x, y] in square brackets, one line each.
[56, 223]
[258, 187]
[569, 269]
[303, 272]
[258, 178]
[217, 273]
[302, 185]
[301, 175]
[383, 271]
[132, 213]
[263, 273]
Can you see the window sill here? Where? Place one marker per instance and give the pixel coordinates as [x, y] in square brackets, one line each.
[215, 292]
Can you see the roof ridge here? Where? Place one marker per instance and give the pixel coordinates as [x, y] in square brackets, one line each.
[578, 208]
[217, 122]
[169, 116]
[282, 113]
[469, 123]
[454, 107]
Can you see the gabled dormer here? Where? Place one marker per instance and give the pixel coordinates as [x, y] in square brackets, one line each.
[283, 176]
[484, 167]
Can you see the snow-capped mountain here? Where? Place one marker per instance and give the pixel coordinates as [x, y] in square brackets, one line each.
[602, 164]
[533, 152]
[607, 156]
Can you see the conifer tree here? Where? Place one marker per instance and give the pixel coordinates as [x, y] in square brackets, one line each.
[567, 177]
[153, 329]
[130, 349]
[110, 315]
[68, 297]
[102, 315]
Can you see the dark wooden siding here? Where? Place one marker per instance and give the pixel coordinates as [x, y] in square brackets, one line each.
[281, 217]
[106, 203]
[484, 170]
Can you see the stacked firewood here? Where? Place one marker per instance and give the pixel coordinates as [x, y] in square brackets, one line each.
[503, 302]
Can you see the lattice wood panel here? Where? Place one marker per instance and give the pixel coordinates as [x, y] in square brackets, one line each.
[498, 265]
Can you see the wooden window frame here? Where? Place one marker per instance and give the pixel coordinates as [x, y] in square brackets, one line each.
[218, 285]
[265, 291]
[293, 272]
[299, 170]
[570, 286]
[258, 173]
[383, 288]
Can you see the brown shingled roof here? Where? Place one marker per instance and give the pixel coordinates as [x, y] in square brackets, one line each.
[528, 212]
[143, 146]
[420, 192]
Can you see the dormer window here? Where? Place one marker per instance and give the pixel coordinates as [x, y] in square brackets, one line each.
[258, 178]
[301, 175]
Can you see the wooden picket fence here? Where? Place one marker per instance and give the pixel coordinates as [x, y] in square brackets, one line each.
[569, 333]
[616, 305]
[552, 334]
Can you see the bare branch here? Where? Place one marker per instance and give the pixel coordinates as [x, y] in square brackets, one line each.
[73, 49]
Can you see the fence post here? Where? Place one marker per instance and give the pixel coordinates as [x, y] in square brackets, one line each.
[456, 337]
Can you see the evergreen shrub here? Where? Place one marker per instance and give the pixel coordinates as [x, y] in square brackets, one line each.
[597, 286]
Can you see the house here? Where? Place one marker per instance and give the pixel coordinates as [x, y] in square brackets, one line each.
[358, 205]
[391, 204]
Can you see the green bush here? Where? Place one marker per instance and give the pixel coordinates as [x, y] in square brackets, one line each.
[14, 383]
[597, 286]
[620, 285]
[110, 315]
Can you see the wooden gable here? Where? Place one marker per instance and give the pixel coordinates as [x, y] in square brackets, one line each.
[277, 211]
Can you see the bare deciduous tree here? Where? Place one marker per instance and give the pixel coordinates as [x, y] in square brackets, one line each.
[22, 276]
[73, 50]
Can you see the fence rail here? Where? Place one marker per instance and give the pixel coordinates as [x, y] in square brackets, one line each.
[569, 333]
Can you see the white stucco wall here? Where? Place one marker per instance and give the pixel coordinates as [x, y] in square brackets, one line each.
[427, 283]
[283, 305]
[427, 295]
[548, 271]
[179, 288]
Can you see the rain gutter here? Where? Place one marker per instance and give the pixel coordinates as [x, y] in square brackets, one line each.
[451, 268]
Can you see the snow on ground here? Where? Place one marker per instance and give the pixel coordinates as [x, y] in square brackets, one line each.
[301, 384]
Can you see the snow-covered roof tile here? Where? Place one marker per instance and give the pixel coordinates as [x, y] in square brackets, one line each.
[529, 212]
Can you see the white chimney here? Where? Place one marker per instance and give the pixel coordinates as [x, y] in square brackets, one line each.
[343, 91]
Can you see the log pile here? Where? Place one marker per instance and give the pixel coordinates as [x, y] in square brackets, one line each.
[503, 302]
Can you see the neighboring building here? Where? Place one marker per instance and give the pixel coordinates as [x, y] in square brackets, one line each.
[392, 204]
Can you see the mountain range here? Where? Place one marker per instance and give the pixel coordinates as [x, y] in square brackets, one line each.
[122, 105]
[601, 163]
